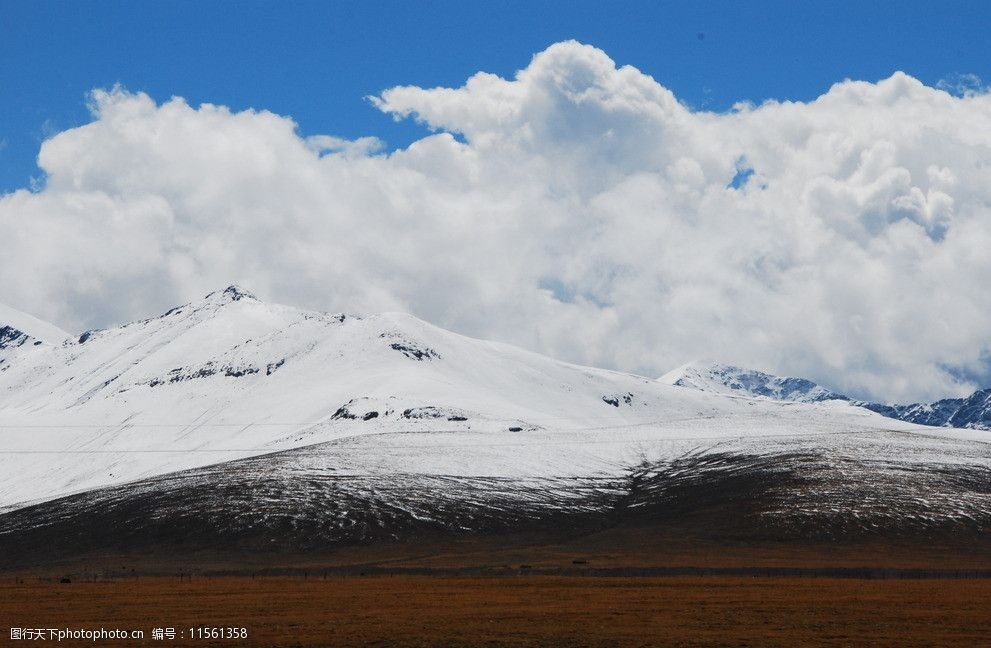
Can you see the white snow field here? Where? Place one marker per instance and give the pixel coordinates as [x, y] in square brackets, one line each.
[229, 377]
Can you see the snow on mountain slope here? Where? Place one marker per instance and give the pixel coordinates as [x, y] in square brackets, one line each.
[21, 334]
[730, 478]
[973, 412]
[730, 380]
[18, 329]
[229, 377]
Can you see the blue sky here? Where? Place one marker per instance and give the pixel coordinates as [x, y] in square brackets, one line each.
[582, 213]
[316, 61]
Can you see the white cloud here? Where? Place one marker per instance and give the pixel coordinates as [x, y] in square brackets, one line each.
[961, 84]
[577, 209]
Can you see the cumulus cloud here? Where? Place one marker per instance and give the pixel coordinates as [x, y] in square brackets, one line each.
[577, 209]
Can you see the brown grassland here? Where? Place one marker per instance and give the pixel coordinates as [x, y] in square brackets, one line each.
[517, 610]
[476, 592]
[619, 586]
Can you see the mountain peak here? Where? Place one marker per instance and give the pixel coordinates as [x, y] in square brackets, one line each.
[14, 325]
[728, 379]
[231, 293]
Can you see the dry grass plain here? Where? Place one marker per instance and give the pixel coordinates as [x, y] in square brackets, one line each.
[473, 592]
[516, 610]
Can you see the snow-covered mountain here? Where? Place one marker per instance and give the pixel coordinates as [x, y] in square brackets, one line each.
[262, 419]
[972, 411]
[17, 329]
[229, 377]
[727, 379]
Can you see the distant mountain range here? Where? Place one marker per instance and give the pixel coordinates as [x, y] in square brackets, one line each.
[972, 411]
